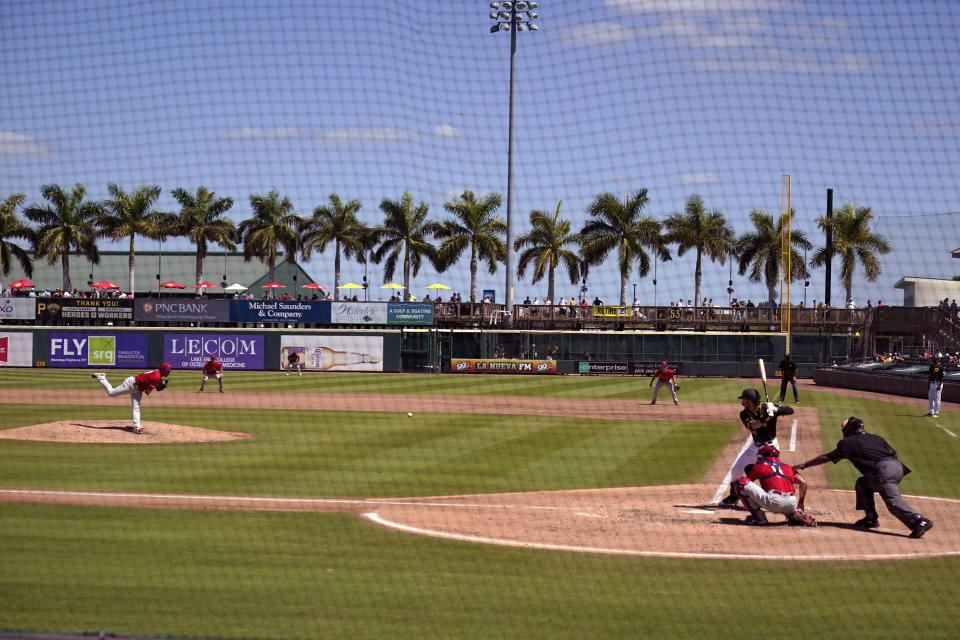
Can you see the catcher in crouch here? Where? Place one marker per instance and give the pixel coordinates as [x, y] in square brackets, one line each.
[775, 492]
[135, 387]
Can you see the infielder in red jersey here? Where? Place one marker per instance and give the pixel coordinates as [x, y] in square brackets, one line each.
[665, 378]
[293, 362]
[775, 491]
[135, 387]
[212, 367]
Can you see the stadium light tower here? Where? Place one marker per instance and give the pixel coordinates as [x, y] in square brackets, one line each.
[513, 17]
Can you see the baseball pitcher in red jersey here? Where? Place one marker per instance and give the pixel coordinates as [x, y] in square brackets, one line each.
[212, 367]
[665, 378]
[775, 492]
[135, 387]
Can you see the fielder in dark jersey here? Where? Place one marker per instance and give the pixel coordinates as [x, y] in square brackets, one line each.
[882, 472]
[760, 419]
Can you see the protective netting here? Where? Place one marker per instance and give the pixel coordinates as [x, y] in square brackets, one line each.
[718, 99]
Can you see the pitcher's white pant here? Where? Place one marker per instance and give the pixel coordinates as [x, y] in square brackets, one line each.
[749, 456]
[661, 383]
[128, 386]
[772, 501]
[934, 392]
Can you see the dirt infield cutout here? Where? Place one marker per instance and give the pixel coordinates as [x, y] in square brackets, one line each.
[117, 432]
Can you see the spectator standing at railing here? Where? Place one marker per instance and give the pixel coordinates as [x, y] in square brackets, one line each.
[597, 302]
[934, 387]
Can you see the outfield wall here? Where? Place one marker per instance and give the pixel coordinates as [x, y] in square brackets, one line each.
[414, 350]
[238, 349]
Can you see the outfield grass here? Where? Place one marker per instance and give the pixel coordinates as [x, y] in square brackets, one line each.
[309, 575]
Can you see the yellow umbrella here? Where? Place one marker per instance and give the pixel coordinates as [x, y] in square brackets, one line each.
[350, 285]
[393, 285]
[437, 285]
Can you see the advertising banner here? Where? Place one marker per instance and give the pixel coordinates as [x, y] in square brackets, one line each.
[283, 311]
[190, 351]
[336, 353]
[18, 308]
[157, 310]
[609, 368]
[530, 367]
[51, 310]
[410, 313]
[622, 368]
[16, 349]
[122, 351]
[343, 312]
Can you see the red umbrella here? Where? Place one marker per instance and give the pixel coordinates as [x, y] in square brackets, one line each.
[172, 285]
[105, 284]
[312, 285]
[21, 284]
[203, 284]
[273, 285]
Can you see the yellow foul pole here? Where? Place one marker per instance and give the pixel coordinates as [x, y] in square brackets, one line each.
[786, 212]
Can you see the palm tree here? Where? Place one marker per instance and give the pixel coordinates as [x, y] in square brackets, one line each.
[274, 224]
[337, 223]
[128, 215]
[622, 226]
[202, 220]
[546, 249]
[853, 242]
[475, 227]
[12, 227]
[705, 231]
[405, 232]
[759, 251]
[66, 223]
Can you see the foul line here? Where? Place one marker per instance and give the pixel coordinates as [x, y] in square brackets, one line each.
[376, 519]
[947, 431]
[261, 499]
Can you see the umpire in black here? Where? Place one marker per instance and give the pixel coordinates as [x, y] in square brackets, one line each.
[882, 472]
[788, 372]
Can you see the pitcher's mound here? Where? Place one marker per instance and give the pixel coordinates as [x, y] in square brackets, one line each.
[118, 432]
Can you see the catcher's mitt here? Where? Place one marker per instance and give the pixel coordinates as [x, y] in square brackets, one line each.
[802, 517]
[162, 384]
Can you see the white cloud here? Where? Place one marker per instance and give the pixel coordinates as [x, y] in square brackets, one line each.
[934, 126]
[701, 177]
[17, 144]
[366, 134]
[693, 6]
[727, 34]
[595, 34]
[445, 130]
[259, 133]
[770, 60]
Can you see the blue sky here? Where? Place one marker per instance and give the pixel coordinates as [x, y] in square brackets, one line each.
[371, 99]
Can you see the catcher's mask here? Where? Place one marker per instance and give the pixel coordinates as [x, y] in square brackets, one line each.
[852, 425]
[769, 451]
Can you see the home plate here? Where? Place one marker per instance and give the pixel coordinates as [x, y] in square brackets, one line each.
[707, 511]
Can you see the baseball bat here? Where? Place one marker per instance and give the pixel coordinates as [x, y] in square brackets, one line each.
[763, 376]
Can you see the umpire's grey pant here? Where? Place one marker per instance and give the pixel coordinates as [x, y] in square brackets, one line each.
[885, 480]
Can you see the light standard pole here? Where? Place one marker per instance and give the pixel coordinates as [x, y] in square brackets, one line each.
[513, 17]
